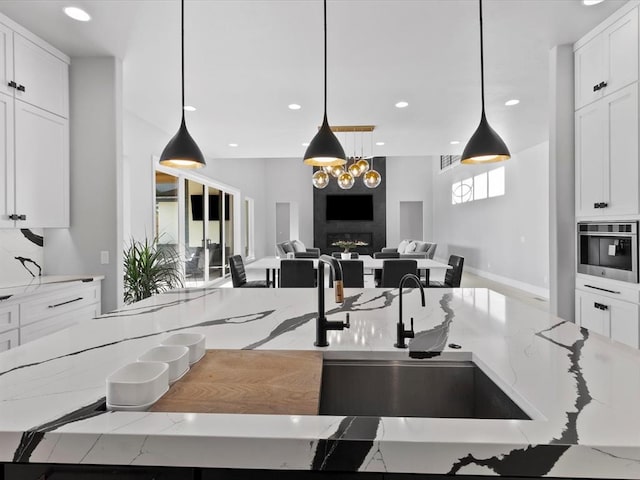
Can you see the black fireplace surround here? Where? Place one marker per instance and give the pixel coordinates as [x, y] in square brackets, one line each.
[373, 232]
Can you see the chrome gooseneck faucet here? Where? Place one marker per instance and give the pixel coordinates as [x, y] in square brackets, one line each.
[402, 333]
[322, 324]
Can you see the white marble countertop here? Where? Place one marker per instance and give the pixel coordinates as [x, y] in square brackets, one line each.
[581, 389]
[39, 284]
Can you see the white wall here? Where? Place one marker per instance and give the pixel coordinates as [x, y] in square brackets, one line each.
[506, 237]
[409, 179]
[96, 156]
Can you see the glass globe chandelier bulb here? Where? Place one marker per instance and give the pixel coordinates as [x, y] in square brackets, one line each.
[372, 179]
[346, 181]
[363, 166]
[354, 170]
[320, 179]
[335, 171]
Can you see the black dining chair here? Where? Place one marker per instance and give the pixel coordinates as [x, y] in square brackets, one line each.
[452, 276]
[239, 275]
[352, 274]
[297, 273]
[377, 273]
[394, 269]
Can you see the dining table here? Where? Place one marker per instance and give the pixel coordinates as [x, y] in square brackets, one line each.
[271, 266]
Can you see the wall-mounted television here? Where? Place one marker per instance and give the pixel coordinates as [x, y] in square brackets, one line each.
[349, 207]
[197, 207]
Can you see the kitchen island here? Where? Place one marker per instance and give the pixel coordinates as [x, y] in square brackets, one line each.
[581, 390]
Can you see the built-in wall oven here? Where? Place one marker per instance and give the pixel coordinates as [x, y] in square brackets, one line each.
[609, 250]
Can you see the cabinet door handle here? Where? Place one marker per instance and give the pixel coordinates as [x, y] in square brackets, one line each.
[600, 306]
[17, 217]
[603, 205]
[65, 303]
[596, 205]
[602, 84]
[12, 84]
[21, 88]
[596, 88]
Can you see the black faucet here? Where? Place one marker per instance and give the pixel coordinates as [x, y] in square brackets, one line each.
[402, 333]
[322, 324]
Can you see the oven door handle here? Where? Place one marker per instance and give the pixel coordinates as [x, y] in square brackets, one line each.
[603, 289]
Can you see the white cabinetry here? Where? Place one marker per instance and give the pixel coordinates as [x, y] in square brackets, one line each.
[608, 61]
[611, 317]
[34, 131]
[57, 307]
[607, 155]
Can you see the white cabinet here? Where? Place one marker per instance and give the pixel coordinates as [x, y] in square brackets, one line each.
[34, 132]
[610, 317]
[607, 62]
[606, 149]
[58, 306]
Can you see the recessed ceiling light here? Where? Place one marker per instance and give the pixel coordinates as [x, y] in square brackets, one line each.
[189, 108]
[294, 106]
[233, 144]
[588, 3]
[77, 14]
[305, 144]
[512, 102]
[402, 104]
[379, 144]
[454, 142]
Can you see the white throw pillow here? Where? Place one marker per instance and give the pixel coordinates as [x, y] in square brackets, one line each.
[298, 246]
[402, 246]
[410, 248]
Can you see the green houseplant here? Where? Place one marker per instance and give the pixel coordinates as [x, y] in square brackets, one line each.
[149, 269]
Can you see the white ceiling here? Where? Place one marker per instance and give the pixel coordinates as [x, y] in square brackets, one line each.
[246, 60]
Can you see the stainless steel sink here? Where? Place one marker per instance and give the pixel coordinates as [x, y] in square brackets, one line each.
[411, 388]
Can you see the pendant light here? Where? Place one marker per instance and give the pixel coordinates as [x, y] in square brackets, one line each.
[325, 148]
[182, 151]
[485, 145]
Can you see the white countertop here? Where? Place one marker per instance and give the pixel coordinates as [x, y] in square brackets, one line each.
[581, 389]
[39, 284]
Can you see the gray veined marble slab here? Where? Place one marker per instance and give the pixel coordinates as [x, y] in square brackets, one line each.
[580, 389]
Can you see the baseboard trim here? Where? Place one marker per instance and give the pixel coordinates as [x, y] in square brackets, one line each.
[510, 282]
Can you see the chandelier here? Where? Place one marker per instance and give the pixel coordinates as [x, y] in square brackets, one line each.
[357, 166]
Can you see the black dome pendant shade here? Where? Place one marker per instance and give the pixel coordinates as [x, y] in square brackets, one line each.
[325, 149]
[182, 151]
[485, 145]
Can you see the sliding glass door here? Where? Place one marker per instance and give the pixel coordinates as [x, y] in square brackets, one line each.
[198, 219]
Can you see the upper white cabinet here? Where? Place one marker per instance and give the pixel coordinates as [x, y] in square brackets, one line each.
[34, 131]
[606, 150]
[608, 61]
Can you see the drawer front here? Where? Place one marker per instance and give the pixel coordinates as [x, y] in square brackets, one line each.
[50, 325]
[9, 315]
[58, 302]
[593, 313]
[609, 288]
[8, 340]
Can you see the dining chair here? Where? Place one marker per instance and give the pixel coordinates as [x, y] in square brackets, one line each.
[295, 273]
[452, 276]
[239, 275]
[352, 274]
[377, 273]
[394, 269]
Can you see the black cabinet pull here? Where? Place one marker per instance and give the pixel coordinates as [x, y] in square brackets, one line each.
[596, 205]
[602, 84]
[600, 306]
[17, 217]
[65, 303]
[21, 88]
[600, 205]
[603, 289]
[596, 88]
[12, 84]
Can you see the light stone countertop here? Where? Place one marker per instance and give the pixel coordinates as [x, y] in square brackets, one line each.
[581, 389]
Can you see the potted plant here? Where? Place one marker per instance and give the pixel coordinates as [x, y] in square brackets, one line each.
[150, 268]
[347, 245]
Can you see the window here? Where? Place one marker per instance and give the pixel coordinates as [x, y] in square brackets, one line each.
[485, 185]
[449, 161]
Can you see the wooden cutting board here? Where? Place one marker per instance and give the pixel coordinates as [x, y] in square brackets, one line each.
[248, 381]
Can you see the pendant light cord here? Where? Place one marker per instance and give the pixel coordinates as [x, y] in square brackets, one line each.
[182, 51]
[325, 59]
[481, 58]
